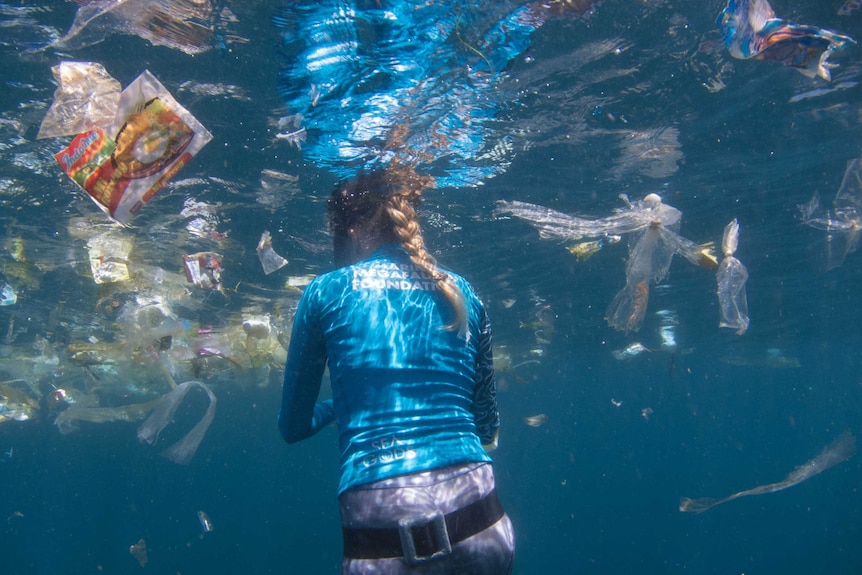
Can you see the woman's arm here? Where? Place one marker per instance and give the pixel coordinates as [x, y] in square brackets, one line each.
[485, 392]
[301, 415]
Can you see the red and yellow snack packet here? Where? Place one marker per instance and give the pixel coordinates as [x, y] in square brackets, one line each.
[124, 165]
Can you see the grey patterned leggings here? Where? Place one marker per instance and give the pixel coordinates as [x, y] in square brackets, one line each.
[382, 504]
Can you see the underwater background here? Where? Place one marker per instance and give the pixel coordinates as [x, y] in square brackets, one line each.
[597, 448]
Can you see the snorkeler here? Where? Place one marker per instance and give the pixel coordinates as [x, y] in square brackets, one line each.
[408, 347]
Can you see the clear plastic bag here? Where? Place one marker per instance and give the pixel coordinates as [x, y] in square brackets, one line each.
[731, 278]
[655, 239]
[86, 98]
[185, 25]
[270, 260]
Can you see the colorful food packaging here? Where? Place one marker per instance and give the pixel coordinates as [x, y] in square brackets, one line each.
[204, 269]
[123, 166]
[751, 30]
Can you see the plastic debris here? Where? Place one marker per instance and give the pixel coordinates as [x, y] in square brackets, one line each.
[86, 408]
[270, 260]
[139, 552]
[656, 226]
[630, 351]
[256, 328]
[731, 278]
[125, 164]
[204, 269]
[751, 30]
[841, 449]
[296, 282]
[536, 420]
[183, 450]
[204, 519]
[292, 130]
[186, 25]
[86, 98]
[203, 219]
[17, 401]
[585, 250]
[8, 295]
[668, 337]
[109, 257]
[849, 7]
[842, 223]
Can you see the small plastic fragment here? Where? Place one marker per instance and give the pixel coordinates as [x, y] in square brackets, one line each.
[8, 295]
[257, 328]
[270, 260]
[204, 519]
[536, 420]
[109, 257]
[630, 351]
[139, 552]
[204, 269]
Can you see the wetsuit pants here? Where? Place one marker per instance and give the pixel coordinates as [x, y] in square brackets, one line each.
[443, 491]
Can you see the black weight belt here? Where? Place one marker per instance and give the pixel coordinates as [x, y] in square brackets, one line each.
[385, 542]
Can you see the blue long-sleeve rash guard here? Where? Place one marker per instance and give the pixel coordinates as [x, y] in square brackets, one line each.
[408, 395]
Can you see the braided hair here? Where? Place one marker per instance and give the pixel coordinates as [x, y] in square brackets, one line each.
[385, 207]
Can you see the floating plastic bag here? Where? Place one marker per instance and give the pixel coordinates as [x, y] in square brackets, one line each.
[186, 25]
[731, 278]
[270, 260]
[842, 222]
[109, 257]
[751, 30]
[656, 240]
[257, 329]
[840, 450]
[124, 165]
[86, 98]
[183, 450]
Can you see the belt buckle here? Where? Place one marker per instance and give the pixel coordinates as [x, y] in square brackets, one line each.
[434, 524]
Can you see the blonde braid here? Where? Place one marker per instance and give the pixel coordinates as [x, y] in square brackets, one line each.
[401, 210]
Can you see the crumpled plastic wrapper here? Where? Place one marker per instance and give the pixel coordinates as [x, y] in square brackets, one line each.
[109, 257]
[257, 328]
[751, 30]
[86, 98]
[270, 260]
[204, 269]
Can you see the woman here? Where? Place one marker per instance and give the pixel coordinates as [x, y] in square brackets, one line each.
[408, 348]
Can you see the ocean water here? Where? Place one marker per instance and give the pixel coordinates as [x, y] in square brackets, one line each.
[633, 97]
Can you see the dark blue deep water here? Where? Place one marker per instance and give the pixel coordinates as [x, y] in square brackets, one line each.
[635, 97]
